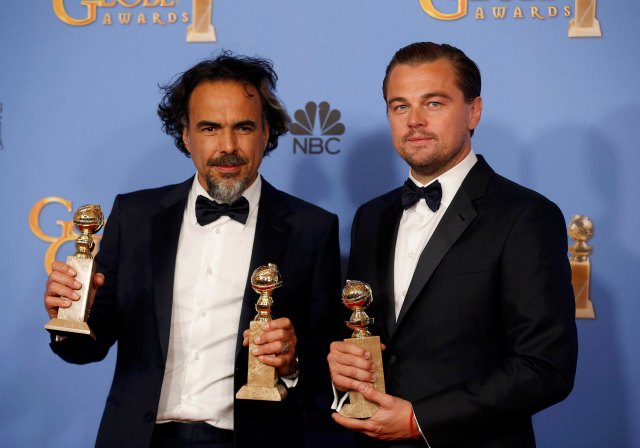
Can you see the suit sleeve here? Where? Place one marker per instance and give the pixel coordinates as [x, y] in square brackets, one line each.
[78, 349]
[323, 320]
[538, 320]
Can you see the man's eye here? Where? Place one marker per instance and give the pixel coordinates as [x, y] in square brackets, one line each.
[434, 104]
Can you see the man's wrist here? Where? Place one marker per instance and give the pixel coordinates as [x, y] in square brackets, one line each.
[293, 375]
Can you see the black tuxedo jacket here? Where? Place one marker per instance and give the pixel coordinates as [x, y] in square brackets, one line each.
[138, 255]
[486, 335]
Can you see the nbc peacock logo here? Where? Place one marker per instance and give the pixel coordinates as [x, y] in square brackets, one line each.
[328, 123]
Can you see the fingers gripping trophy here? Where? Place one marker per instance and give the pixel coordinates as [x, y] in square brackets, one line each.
[356, 296]
[261, 378]
[88, 219]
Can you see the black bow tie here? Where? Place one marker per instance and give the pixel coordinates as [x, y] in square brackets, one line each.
[208, 211]
[411, 194]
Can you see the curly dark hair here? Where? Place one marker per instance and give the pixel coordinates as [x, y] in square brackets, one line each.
[174, 107]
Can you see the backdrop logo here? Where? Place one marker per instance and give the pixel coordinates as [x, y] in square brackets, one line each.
[67, 232]
[140, 12]
[584, 23]
[1, 145]
[305, 123]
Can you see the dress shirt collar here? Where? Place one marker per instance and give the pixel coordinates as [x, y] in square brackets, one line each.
[252, 194]
[452, 179]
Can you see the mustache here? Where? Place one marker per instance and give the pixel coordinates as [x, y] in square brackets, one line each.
[419, 133]
[227, 160]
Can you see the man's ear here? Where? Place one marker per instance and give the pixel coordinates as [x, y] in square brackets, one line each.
[185, 139]
[266, 135]
[475, 113]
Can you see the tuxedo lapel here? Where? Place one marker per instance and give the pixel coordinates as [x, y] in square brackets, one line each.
[389, 222]
[458, 216]
[165, 232]
[268, 244]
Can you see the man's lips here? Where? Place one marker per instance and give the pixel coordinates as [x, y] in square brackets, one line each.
[227, 168]
[419, 138]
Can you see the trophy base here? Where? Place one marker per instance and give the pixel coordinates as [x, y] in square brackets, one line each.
[358, 410]
[199, 36]
[580, 275]
[63, 326]
[584, 31]
[587, 311]
[265, 393]
[358, 406]
[261, 378]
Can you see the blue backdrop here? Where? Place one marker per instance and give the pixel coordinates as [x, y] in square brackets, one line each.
[78, 96]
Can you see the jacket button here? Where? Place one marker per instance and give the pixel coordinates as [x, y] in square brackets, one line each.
[393, 359]
[149, 416]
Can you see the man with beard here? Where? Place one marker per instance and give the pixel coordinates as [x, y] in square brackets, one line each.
[470, 277]
[174, 272]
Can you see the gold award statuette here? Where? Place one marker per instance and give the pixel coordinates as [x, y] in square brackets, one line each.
[581, 231]
[262, 379]
[356, 296]
[88, 219]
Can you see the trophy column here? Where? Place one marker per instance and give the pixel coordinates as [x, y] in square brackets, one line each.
[201, 29]
[357, 296]
[262, 379]
[88, 220]
[585, 23]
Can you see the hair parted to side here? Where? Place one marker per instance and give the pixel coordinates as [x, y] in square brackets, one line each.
[174, 107]
[467, 72]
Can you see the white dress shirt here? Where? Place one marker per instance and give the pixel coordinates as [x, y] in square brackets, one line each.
[212, 267]
[417, 225]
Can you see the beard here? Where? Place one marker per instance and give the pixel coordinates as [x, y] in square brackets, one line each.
[229, 188]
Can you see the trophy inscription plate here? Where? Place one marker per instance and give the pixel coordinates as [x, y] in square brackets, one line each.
[357, 296]
[262, 380]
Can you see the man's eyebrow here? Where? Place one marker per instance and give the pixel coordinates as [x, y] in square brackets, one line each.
[207, 124]
[437, 93]
[244, 123]
[396, 99]
[425, 96]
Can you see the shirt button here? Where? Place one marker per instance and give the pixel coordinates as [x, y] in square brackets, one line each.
[197, 356]
[209, 271]
[420, 218]
[410, 254]
[203, 313]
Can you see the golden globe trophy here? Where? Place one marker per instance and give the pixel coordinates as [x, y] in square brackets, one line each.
[356, 296]
[581, 231]
[88, 220]
[262, 380]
